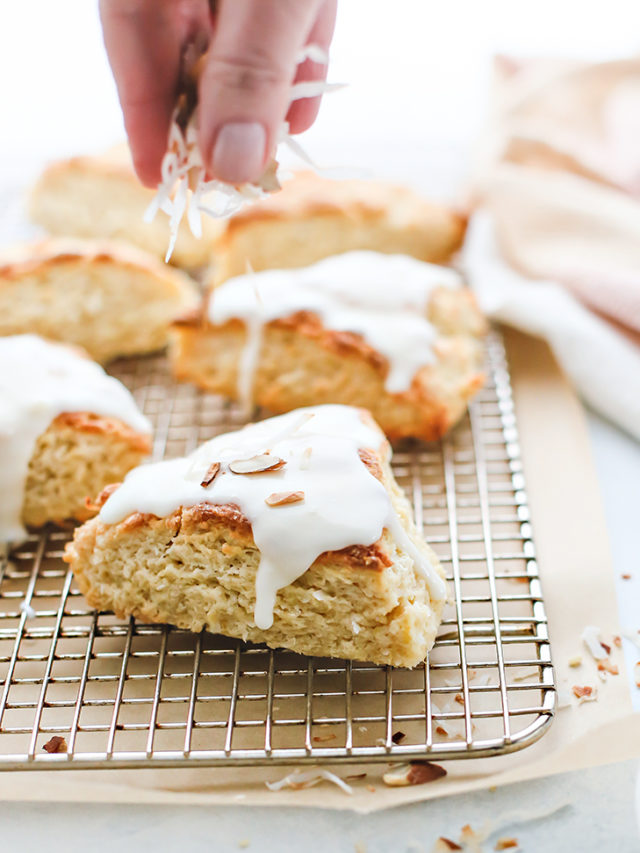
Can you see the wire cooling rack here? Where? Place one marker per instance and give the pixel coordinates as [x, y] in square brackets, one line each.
[124, 694]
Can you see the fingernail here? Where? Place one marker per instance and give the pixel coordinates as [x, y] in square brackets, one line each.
[238, 155]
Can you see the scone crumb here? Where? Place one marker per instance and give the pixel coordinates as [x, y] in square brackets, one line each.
[575, 661]
[259, 464]
[284, 498]
[56, 744]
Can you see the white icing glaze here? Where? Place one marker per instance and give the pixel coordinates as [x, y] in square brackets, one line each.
[40, 380]
[382, 297]
[344, 504]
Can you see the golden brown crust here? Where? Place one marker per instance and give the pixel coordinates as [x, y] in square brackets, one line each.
[307, 194]
[100, 425]
[27, 258]
[313, 217]
[304, 363]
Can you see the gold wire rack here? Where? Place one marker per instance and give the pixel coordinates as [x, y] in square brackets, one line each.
[124, 694]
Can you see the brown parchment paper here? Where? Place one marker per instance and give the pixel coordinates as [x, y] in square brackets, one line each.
[578, 583]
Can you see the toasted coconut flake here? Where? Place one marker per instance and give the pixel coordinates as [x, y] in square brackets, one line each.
[284, 498]
[626, 576]
[584, 693]
[415, 773]
[259, 464]
[636, 673]
[298, 780]
[440, 730]
[212, 472]
[506, 843]
[354, 777]
[459, 698]
[56, 744]
[607, 666]
[606, 647]
[305, 458]
[323, 738]
[443, 844]
[617, 641]
[591, 639]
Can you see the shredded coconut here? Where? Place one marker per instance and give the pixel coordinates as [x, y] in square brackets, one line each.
[298, 780]
[184, 189]
[591, 638]
[27, 609]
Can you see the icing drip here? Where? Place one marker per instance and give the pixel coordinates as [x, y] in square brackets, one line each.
[343, 504]
[40, 380]
[382, 297]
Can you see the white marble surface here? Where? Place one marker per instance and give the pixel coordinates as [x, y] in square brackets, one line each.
[418, 73]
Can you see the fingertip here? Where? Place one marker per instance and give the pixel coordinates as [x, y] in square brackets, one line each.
[302, 114]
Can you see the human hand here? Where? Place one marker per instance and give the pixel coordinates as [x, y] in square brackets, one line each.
[244, 89]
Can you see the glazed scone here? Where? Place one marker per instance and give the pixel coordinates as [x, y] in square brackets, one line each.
[107, 297]
[291, 532]
[394, 335]
[65, 426]
[313, 217]
[101, 197]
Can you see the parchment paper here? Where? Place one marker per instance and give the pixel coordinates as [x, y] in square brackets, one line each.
[577, 575]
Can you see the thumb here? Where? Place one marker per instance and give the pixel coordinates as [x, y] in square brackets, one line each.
[245, 88]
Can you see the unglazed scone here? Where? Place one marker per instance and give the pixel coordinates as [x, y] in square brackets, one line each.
[101, 197]
[65, 426]
[397, 336]
[313, 217]
[291, 532]
[107, 297]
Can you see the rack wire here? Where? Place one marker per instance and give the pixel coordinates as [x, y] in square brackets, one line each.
[124, 694]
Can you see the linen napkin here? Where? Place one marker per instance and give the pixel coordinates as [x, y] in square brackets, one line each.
[554, 248]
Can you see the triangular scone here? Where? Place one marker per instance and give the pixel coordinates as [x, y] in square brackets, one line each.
[101, 197]
[397, 336]
[291, 532]
[65, 426]
[313, 217]
[107, 297]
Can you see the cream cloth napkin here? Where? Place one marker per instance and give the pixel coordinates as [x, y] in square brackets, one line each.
[555, 250]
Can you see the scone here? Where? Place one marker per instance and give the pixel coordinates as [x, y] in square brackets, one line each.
[291, 531]
[397, 336]
[65, 426]
[102, 197]
[107, 297]
[313, 217]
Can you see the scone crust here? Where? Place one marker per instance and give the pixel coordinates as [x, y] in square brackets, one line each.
[49, 287]
[78, 451]
[312, 217]
[101, 197]
[303, 363]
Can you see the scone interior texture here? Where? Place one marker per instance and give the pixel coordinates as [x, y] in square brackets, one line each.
[109, 298]
[398, 336]
[291, 531]
[101, 197]
[65, 426]
[314, 217]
